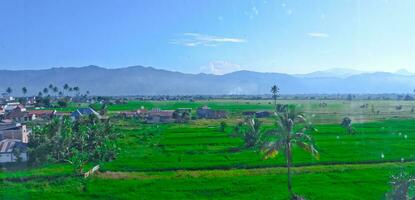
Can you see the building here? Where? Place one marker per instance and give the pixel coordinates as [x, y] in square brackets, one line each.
[9, 149]
[42, 114]
[14, 131]
[207, 113]
[82, 112]
[17, 115]
[6, 97]
[12, 106]
[257, 114]
[160, 116]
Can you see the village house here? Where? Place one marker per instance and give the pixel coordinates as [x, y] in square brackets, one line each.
[14, 131]
[9, 149]
[12, 106]
[257, 114]
[206, 113]
[82, 112]
[160, 116]
[6, 97]
[42, 114]
[19, 114]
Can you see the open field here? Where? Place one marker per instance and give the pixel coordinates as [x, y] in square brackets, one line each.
[197, 161]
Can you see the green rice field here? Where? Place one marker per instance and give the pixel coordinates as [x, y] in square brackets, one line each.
[196, 160]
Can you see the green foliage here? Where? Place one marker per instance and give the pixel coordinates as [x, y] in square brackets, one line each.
[80, 142]
[250, 131]
[222, 126]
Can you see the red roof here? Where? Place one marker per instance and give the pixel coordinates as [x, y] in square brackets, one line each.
[42, 112]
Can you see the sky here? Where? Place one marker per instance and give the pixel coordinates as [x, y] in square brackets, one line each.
[210, 36]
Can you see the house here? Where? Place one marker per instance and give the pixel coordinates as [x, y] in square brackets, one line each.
[128, 114]
[8, 149]
[207, 113]
[14, 131]
[42, 114]
[160, 116]
[6, 97]
[81, 112]
[257, 114]
[19, 115]
[12, 105]
[2, 111]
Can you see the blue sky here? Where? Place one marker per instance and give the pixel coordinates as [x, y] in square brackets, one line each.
[209, 36]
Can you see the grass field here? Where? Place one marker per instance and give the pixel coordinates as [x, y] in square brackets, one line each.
[197, 161]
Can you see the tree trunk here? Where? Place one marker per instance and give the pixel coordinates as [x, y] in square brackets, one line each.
[289, 160]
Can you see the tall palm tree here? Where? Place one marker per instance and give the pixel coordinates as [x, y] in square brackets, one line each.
[285, 135]
[9, 90]
[24, 91]
[76, 89]
[65, 87]
[45, 90]
[275, 93]
[55, 90]
[70, 89]
[50, 86]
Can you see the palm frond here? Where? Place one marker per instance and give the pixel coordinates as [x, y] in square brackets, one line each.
[309, 148]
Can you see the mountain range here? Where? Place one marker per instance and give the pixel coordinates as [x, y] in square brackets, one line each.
[139, 80]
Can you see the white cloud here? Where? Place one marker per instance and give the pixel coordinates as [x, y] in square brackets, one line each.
[197, 39]
[220, 67]
[318, 34]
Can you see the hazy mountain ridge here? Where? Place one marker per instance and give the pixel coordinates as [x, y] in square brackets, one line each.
[138, 80]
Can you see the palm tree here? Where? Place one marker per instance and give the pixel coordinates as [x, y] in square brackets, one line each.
[45, 90]
[50, 86]
[76, 89]
[347, 124]
[275, 93]
[24, 91]
[9, 90]
[40, 94]
[70, 89]
[285, 135]
[250, 131]
[65, 87]
[55, 90]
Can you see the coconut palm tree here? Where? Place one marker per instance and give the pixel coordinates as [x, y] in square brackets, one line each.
[250, 131]
[24, 91]
[65, 87]
[45, 90]
[291, 129]
[275, 93]
[70, 89]
[55, 90]
[9, 90]
[76, 90]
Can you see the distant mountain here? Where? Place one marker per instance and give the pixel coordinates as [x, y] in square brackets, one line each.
[404, 72]
[335, 72]
[138, 80]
